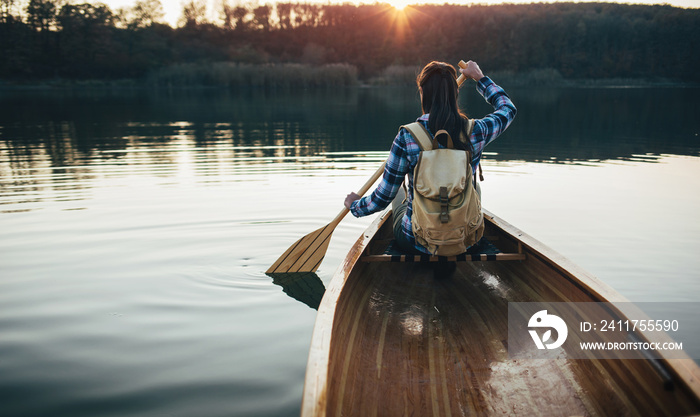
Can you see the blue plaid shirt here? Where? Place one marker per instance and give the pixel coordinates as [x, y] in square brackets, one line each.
[404, 156]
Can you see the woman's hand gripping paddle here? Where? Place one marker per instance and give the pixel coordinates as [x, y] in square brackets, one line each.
[307, 253]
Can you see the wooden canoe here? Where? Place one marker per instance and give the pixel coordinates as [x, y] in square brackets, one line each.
[390, 339]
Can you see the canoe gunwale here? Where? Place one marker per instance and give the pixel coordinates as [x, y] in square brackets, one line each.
[594, 287]
[315, 390]
[685, 370]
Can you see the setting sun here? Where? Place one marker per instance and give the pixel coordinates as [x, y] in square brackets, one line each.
[399, 5]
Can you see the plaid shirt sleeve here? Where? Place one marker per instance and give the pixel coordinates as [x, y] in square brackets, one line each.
[490, 127]
[397, 166]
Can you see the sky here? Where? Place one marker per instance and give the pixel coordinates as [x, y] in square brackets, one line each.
[173, 8]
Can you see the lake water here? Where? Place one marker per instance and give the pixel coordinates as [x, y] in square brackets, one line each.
[135, 228]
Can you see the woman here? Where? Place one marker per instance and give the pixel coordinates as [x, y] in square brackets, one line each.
[437, 84]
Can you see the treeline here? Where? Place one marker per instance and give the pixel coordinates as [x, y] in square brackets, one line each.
[50, 39]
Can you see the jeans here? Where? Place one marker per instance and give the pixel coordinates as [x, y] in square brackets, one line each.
[399, 206]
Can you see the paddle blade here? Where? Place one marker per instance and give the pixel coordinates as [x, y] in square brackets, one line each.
[306, 254]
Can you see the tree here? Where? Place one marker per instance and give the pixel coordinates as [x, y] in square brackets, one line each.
[239, 14]
[84, 17]
[194, 13]
[306, 14]
[147, 12]
[261, 17]
[6, 9]
[86, 42]
[227, 16]
[284, 11]
[41, 14]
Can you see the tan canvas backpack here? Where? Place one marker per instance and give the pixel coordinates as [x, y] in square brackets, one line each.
[447, 216]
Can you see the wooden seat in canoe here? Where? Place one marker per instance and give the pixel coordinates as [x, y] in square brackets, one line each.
[484, 250]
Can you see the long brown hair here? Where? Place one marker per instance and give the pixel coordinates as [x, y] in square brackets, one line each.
[438, 82]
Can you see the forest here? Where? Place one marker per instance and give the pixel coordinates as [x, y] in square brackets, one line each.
[343, 44]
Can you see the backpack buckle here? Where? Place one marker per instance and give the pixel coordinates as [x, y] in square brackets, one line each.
[444, 205]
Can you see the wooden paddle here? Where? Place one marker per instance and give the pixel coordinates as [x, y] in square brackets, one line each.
[306, 254]
[462, 78]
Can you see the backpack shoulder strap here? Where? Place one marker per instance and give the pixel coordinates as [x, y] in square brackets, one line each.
[422, 137]
[417, 130]
[470, 127]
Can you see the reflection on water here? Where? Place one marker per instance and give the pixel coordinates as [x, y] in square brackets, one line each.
[68, 142]
[135, 228]
[305, 287]
[553, 124]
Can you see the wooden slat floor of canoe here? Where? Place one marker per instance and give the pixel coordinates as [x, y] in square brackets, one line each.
[430, 347]
[406, 342]
[426, 349]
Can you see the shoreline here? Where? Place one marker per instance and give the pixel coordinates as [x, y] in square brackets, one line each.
[232, 76]
[139, 85]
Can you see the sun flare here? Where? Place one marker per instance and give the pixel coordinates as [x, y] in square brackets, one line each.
[399, 5]
[400, 14]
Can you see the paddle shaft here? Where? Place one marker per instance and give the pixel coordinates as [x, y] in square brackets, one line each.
[363, 190]
[462, 78]
[306, 254]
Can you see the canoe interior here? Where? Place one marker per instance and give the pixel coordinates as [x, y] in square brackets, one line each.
[405, 340]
